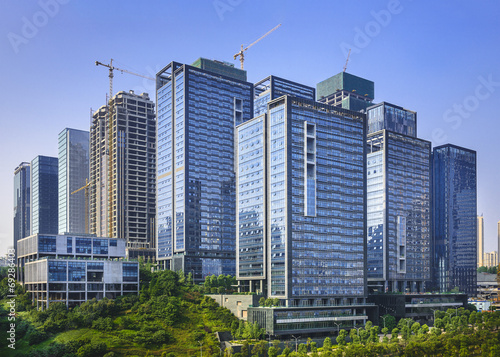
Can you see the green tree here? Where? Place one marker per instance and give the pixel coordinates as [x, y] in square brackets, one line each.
[327, 344]
[260, 348]
[262, 301]
[341, 338]
[390, 321]
[302, 350]
[394, 334]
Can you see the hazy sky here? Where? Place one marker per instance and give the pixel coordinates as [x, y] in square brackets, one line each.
[438, 58]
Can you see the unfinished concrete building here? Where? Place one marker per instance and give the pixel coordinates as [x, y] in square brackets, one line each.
[122, 172]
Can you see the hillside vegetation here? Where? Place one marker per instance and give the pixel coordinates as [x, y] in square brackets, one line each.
[170, 317]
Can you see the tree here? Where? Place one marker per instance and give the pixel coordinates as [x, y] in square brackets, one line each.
[327, 344]
[302, 349]
[394, 335]
[245, 348]
[262, 301]
[341, 338]
[260, 348]
[390, 321]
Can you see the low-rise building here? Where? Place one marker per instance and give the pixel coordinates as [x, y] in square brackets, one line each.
[419, 307]
[75, 268]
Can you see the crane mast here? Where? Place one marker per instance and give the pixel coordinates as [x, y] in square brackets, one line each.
[111, 176]
[241, 53]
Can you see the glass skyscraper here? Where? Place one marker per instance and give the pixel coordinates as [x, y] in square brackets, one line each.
[44, 195]
[198, 109]
[22, 202]
[301, 215]
[398, 212]
[301, 203]
[273, 87]
[391, 117]
[455, 218]
[73, 174]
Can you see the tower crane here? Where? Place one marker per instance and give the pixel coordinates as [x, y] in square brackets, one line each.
[241, 53]
[86, 188]
[110, 145]
[347, 60]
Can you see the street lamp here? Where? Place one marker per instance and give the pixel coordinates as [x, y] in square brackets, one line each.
[384, 317]
[434, 311]
[201, 348]
[296, 338]
[338, 328]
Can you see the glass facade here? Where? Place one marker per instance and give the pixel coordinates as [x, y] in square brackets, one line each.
[391, 117]
[274, 87]
[252, 210]
[314, 194]
[455, 218]
[44, 200]
[398, 212]
[197, 113]
[57, 271]
[47, 244]
[22, 202]
[83, 245]
[73, 172]
[76, 271]
[130, 272]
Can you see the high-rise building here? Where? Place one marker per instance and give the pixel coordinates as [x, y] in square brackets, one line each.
[273, 87]
[22, 201]
[391, 117]
[455, 218]
[490, 259]
[346, 91]
[44, 195]
[498, 234]
[122, 172]
[301, 214]
[73, 175]
[480, 241]
[398, 212]
[198, 108]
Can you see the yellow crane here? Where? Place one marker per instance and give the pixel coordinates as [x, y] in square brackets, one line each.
[241, 53]
[86, 188]
[110, 150]
[347, 60]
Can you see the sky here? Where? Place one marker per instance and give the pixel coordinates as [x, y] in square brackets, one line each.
[440, 59]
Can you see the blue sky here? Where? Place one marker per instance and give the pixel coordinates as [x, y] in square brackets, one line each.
[440, 59]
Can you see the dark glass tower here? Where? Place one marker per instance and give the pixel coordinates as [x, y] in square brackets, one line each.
[44, 199]
[198, 108]
[391, 117]
[22, 202]
[398, 212]
[455, 218]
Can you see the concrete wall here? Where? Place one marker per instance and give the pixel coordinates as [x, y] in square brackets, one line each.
[237, 304]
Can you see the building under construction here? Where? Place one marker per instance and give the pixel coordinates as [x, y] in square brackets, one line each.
[122, 172]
